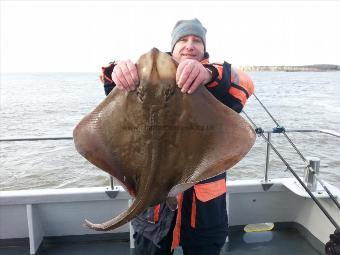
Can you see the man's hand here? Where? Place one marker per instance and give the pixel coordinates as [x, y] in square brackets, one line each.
[125, 75]
[191, 74]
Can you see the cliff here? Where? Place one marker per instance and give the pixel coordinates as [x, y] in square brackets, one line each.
[306, 68]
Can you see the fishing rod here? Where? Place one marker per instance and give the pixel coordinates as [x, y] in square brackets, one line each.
[332, 247]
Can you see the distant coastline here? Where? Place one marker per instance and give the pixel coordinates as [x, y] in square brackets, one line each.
[305, 68]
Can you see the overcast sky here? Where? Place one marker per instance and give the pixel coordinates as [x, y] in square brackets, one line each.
[84, 35]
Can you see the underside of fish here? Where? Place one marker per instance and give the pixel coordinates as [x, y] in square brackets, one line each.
[157, 141]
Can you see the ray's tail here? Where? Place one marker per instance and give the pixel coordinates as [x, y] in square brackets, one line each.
[137, 207]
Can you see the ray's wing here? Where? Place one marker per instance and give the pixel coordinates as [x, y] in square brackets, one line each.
[98, 135]
[219, 139]
[161, 146]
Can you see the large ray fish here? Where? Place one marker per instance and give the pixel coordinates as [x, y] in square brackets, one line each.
[157, 141]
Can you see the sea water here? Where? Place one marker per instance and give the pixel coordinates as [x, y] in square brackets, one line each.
[51, 104]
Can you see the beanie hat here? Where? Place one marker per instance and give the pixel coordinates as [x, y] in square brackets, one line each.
[187, 27]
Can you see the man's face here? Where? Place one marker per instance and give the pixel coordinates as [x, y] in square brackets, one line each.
[188, 47]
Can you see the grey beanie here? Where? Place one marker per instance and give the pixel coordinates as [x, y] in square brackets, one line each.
[187, 27]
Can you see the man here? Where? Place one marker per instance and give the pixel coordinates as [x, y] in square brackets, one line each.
[200, 223]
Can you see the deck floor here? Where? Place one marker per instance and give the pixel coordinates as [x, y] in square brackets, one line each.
[288, 241]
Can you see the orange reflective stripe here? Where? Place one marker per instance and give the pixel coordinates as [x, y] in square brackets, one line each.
[207, 191]
[245, 82]
[242, 86]
[193, 211]
[156, 213]
[176, 235]
[213, 84]
[205, 61]
[239, 94]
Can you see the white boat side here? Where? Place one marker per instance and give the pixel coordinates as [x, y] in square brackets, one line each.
[36, 214]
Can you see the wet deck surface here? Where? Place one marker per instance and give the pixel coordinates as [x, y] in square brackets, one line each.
[287, 241]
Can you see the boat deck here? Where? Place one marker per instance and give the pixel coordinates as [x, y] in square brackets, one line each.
[282, 241]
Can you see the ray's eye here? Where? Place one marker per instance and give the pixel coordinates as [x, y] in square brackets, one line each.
[140, 93]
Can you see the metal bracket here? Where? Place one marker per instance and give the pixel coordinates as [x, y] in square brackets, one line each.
[266, 186]
[112, 193]
[279, 130]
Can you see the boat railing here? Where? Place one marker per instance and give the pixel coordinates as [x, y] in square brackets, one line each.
[277, 131]
[268, 133]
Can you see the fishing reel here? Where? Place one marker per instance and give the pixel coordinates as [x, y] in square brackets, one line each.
[333, 245]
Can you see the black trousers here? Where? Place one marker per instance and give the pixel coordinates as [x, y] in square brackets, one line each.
[144, 246]
[211, 249]
[207, 238]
